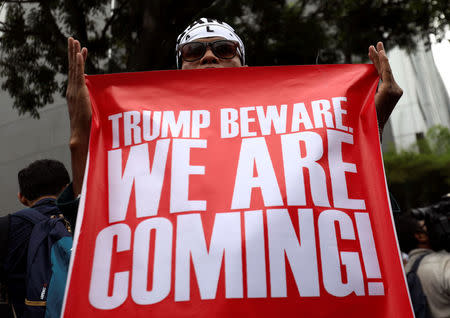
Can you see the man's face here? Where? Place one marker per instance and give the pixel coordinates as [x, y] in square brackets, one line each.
[209, 60]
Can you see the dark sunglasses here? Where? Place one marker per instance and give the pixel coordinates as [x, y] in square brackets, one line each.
[193, 51]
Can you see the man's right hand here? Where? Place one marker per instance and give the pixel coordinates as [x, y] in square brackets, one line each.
[80, 113]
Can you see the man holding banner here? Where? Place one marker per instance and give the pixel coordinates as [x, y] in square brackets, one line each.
[79, 104]
[244, 192]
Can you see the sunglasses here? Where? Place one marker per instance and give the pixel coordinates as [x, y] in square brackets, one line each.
[193, 51]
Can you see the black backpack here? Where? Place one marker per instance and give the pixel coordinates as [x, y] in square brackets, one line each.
[47, 262]
[5, 308]
[418, 298]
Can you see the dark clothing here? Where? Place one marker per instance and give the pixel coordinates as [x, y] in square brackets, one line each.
[68, 205]
[16, 259]
[15, 265]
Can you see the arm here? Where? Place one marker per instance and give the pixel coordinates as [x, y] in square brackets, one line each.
[80, 114]
[388, 92]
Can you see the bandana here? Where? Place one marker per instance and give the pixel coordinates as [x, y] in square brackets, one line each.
[205, 28]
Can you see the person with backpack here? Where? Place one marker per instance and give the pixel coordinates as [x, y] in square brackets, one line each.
[36, 248]
[427, 269]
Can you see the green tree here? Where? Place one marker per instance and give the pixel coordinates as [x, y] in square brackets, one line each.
[421, 175]
[140, 35]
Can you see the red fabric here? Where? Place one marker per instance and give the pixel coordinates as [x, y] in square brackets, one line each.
[294, 220]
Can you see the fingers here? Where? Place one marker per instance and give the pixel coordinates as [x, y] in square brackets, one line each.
[385, 67]
[381, 62]
[70, 57]
[80, 68]
[77, 59]
[84, 52]
[77, 50]
[380, 46]
[389, 92]
[373, 55]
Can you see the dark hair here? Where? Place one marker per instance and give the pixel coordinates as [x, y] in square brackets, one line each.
[407, 226]
[42, 177]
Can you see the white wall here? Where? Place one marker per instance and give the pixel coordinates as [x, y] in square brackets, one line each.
[425, 101]
[24, 139]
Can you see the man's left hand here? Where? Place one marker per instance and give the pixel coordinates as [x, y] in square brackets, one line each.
[388, 92]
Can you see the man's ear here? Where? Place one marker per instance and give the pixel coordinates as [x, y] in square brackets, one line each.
[22, 199]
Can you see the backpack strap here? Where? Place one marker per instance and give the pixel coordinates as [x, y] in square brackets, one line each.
[4, 234]
[40, 232]
[31, 215]
[16, 241]
[418, 297]
[416, 264]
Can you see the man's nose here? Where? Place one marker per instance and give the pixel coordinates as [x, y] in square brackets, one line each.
[209, 57]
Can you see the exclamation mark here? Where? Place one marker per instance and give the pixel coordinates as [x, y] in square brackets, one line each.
[369, 253]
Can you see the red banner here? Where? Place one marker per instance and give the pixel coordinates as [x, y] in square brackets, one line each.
[242, 192]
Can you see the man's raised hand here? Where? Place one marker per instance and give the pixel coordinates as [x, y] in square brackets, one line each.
[388, 92]
[80, 114]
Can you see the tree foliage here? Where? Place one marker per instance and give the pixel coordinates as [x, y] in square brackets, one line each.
[421, 175]
[140, 35]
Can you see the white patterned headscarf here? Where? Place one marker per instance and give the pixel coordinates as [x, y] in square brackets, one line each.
[204, 28]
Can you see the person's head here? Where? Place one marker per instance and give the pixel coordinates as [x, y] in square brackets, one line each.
[42, 178]
[411, 233]
[209, 43]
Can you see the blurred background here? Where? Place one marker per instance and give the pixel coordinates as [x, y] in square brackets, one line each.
[138, 35]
